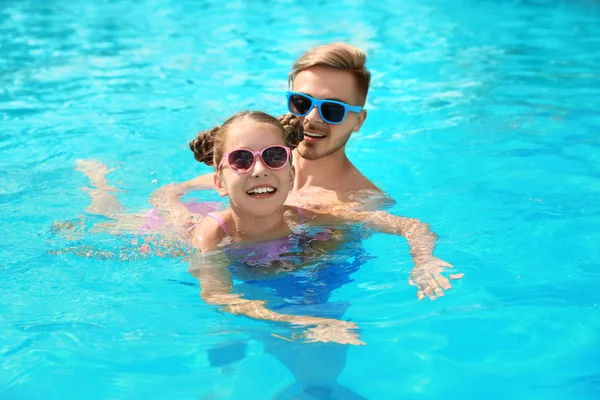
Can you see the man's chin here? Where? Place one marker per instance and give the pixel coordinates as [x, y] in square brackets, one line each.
[309, 152]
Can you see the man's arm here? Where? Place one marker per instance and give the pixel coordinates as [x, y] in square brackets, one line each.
[216, 286]
[426, 273]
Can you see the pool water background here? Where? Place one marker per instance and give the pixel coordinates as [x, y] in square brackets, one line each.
[482, 121]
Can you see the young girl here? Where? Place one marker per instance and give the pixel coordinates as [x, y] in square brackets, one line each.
[251, 155]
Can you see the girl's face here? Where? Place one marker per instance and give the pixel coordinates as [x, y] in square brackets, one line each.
[260, 191]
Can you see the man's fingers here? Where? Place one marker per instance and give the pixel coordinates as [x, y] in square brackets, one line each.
[443, 281]
[428, 287]
[329, 333]
[436, 290]
[423, 288]
[433, 284]
[429, 293]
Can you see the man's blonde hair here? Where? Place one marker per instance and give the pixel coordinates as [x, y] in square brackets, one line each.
[340, 56]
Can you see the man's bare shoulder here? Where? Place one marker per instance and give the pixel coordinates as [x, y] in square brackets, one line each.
[323, 199]
[350, 190]
[354, 180]
[369, 199]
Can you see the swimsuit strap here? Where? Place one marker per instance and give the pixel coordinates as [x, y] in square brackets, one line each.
[224, 226]
[300, 214]
[220, 220]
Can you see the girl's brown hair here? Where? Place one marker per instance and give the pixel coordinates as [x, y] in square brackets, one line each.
[208, 145]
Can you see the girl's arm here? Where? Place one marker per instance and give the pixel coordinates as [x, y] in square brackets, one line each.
[168, 197]
[426, 274]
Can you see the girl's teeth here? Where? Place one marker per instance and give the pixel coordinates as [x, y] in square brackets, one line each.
[313, 135]
[261, 190]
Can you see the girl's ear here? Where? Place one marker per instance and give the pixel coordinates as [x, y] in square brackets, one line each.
[292, 177]
[219, 184]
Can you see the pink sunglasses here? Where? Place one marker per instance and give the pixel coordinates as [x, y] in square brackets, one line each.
[242, 160]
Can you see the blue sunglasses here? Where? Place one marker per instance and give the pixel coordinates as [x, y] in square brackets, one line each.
[331, 111]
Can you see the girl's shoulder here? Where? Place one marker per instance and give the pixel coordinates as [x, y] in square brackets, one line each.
[297, 214]
[209, 232]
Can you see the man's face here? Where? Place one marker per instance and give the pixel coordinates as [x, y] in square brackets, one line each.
[322, 139]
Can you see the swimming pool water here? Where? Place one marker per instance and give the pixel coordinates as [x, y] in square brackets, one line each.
[483, 121]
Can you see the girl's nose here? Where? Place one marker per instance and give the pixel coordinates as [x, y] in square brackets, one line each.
[259, 168]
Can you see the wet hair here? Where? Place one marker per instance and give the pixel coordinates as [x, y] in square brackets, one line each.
[341, 56]
[208, 145]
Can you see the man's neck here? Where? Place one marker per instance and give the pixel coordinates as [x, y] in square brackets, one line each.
[325, 173]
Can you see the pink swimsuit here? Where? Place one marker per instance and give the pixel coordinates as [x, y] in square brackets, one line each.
[262, 253]
[224, 226]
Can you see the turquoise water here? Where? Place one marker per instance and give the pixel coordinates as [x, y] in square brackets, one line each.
[483, 121]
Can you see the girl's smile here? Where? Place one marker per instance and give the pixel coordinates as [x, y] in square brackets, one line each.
[262, 191]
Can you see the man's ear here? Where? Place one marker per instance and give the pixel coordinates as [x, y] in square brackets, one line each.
[361, 119]
[219, 185]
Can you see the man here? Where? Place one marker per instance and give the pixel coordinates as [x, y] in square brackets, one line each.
[333, 72]
[328, 89]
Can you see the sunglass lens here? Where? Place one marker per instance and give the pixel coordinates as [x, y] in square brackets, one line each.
[299, 104]
[332, 112]
[275, 157]
[241, 160]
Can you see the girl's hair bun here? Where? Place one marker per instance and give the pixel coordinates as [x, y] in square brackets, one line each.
[203, 146]
[293, 130]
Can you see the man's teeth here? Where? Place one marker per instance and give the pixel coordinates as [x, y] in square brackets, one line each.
[261, 190]
[314, 135]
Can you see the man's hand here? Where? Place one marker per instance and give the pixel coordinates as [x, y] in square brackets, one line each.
[337, 331]
[427, 277]
[327, 330]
